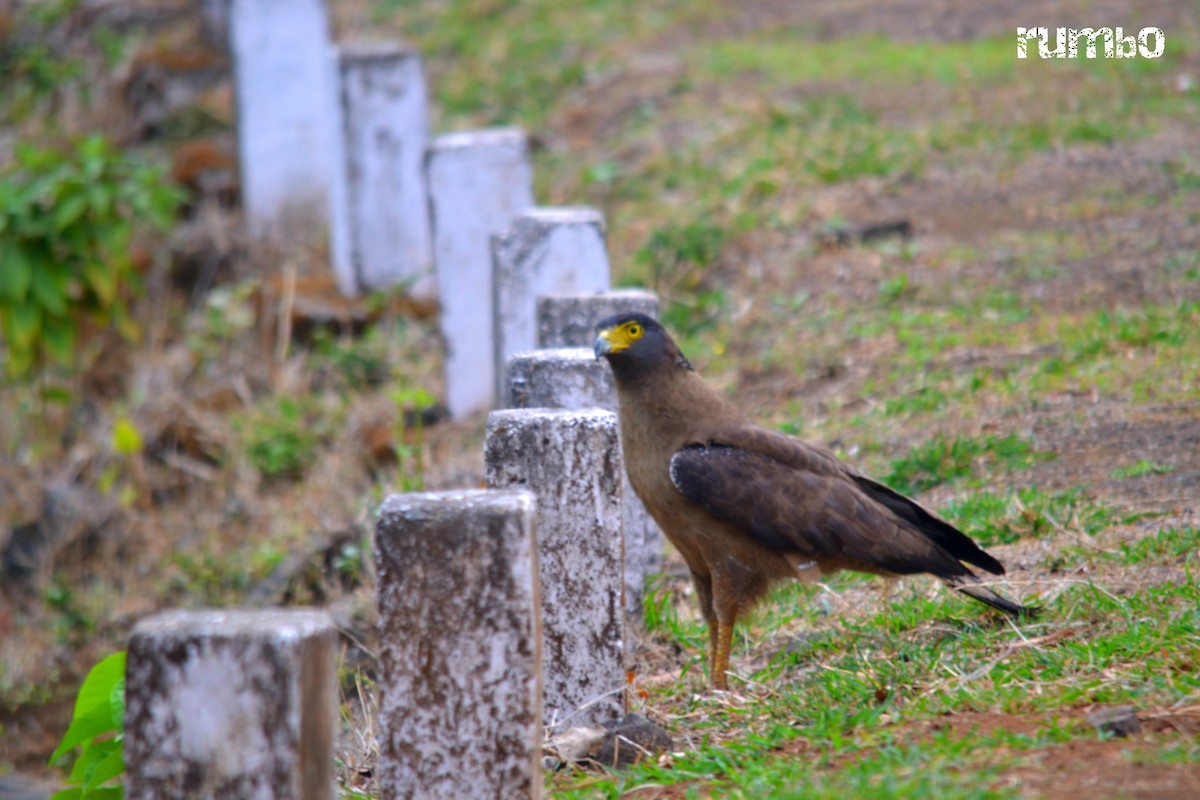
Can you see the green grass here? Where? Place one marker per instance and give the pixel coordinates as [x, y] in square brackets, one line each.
[944, 460]
[847, 715]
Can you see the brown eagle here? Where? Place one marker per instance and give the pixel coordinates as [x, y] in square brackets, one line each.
[748, 507]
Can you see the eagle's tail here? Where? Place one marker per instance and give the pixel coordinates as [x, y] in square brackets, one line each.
[969, 585]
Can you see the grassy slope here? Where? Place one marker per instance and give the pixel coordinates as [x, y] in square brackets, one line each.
[710, 149]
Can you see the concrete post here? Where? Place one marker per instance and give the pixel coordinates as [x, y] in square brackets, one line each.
[280, 51]
[479, 181]
[460, 645]
[570, 461]
[546, 251]
[573, 379]
[569, 320]
[380, 236]
[231, 704]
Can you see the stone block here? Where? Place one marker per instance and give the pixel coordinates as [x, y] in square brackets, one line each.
[280, 52]
[380, 235]
[573, 379]
[545, 251]
[479, 181]
[571, 462]
[569, 320]
[236, 705]
[460, 646]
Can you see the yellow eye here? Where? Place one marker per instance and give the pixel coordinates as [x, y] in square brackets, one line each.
[635, 331]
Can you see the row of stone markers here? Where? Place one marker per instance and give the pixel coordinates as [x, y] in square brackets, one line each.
[500, 612]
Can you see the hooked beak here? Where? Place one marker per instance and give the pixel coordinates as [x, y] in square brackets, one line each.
[603, 345]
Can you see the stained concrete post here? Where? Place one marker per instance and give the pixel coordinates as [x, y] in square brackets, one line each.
[460, 646]
[570, 461]
[569, 320]
[479, 181]
[573, 379]
[380, 236]
[280, 51]
[545, 251]
[231, 704]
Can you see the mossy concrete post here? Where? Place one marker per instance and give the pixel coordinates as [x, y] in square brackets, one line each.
[573, 379]
[545, 251]
[460, 646]
[280, 51]
[227, 705]
[570, 460]
[569, 320]
[479, 181]
[380, 236]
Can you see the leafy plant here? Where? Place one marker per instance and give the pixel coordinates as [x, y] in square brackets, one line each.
[97, 729]
[283, 444]
[67, 220]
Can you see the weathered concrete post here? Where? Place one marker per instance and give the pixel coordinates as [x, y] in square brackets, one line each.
[280, 51]
[460, 645]
[479, 181]
[569, 320]
[574, 380]
[380, 236]
[231, 704]
[546, 251]
[570, 461]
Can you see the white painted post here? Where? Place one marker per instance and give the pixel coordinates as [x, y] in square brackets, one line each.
[380, 236]
[546, 251]
[479, 181]
[570, 461]
[280, 51]
[574, 380]
[231, 704]
[460, 646]
[569, 320]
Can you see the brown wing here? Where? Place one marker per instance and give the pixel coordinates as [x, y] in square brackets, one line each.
[809, 457]
[808, 508]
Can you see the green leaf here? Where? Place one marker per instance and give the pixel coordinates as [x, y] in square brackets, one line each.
[69, 210]
[16, 273]
[74, 793]
[50, 290]
[93, 753]
[101, 279]
[58, 336]
[104, 762]
[93, 704]
[116, 705]
[22, 325]
[126, 439]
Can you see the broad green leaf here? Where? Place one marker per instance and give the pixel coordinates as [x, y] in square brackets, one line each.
[93, 704]
[93, 753]
[112, 766]
[21, 325]
[69, 210]
[116, 702]
[16, 273]
[84, 728]
[50, 290]
[74, 793]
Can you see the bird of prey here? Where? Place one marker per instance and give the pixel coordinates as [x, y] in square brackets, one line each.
[747, 507]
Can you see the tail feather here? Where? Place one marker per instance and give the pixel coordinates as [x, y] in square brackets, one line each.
[970, 586]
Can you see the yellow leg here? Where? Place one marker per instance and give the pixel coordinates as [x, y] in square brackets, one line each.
[722, 644]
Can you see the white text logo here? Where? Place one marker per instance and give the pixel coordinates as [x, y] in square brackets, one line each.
[1115, 43]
